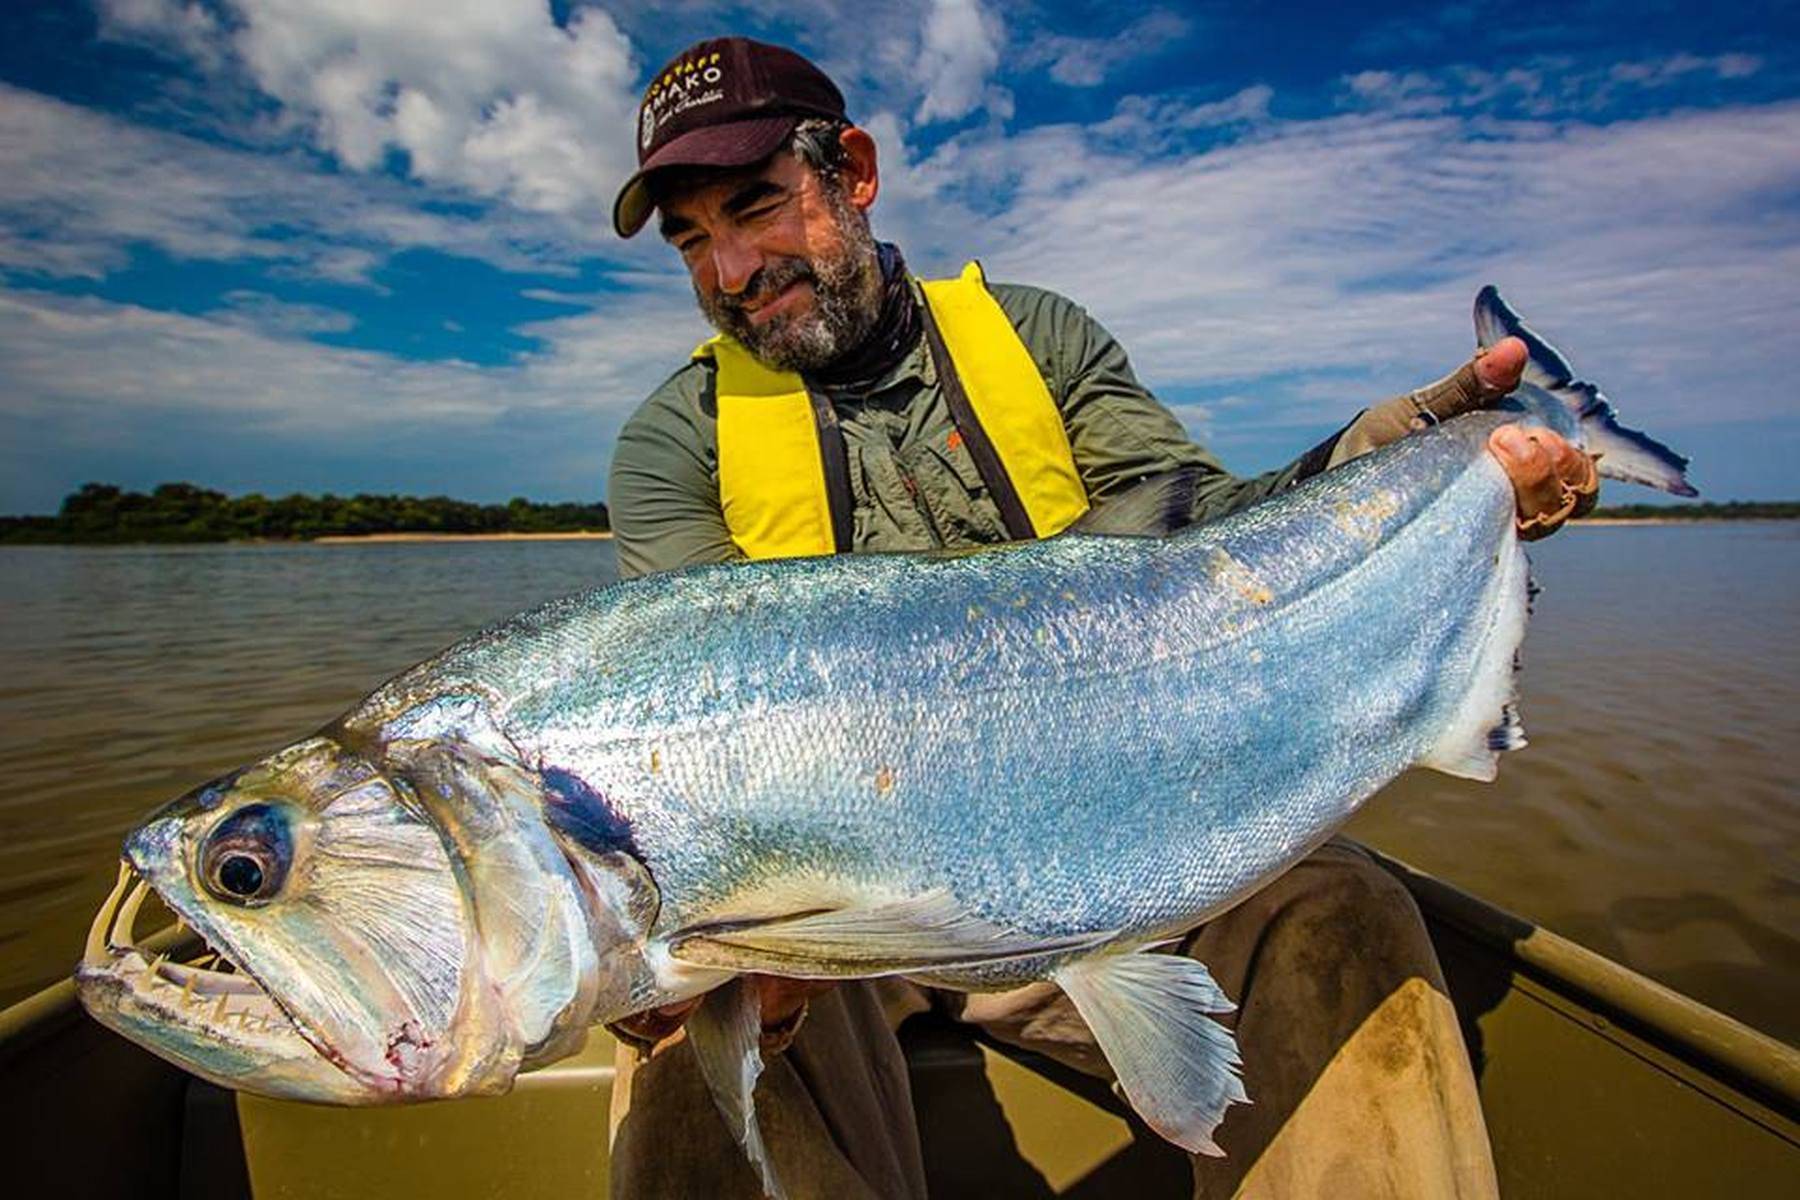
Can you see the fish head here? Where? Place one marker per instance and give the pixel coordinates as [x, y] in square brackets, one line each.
[396, 929]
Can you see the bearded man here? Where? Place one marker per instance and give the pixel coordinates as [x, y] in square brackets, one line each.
[846, 406]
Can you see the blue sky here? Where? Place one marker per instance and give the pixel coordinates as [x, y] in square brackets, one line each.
[318, 245]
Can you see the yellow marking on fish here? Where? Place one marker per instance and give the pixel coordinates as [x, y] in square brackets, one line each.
[1067, 594]
[655, 761]
[1238, 577]
[1365, 518]
[884, 781]
[976, 612]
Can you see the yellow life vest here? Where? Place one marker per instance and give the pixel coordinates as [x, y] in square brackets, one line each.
[783, 471]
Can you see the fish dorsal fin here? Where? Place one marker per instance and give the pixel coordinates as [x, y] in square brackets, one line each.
[927, 932]
[1177, 1066]
[725, 1032]
[1154, 507]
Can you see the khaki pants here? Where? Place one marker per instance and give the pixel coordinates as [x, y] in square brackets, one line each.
[1359, 1081]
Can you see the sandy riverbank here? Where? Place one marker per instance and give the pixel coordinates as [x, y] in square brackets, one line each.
[367, 538]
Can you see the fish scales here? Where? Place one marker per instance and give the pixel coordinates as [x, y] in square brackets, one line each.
[1079, 734]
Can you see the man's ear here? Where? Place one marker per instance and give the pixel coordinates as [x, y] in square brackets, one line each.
[862, 178]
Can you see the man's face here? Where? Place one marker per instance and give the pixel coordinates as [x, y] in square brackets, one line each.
[780, 260]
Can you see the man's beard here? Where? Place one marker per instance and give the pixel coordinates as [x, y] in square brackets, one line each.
[846, 301]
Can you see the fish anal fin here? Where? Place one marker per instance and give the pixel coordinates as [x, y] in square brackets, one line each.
[725, 1033]
[921, 933]
[1177, 1066]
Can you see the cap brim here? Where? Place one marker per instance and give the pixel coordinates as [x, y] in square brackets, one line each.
[737, 144]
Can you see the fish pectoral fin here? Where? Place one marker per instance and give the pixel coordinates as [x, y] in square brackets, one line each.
[927, 932]
[1154, 507]
[1177, 1066]
[725, 1032]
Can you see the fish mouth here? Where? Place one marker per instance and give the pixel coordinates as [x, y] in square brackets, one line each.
[206, 985]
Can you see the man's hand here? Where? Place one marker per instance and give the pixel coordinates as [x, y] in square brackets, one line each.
[783, 1008]
[1552, 480]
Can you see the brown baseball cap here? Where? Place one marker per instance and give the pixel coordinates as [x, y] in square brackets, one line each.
[724, 102]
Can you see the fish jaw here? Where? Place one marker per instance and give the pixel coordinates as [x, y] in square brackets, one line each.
[223, 1027]
[361, 974]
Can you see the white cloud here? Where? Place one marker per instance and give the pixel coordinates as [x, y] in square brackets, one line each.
[80, 189]
[181, 26]
[271, 314]
[490, 95]
[961, 48]
[1288, 269]
[250, 368]
[1347, 249]
[1087, 61]
[241, 399]
[1542, 86]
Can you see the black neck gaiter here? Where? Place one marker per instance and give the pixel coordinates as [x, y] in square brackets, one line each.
[895, 333]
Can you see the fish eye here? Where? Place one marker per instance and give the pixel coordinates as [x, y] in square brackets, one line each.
[246, 856]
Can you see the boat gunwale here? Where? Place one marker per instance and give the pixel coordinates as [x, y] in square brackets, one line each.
[1754, 1073]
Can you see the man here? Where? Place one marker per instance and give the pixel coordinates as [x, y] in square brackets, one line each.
[847, 407]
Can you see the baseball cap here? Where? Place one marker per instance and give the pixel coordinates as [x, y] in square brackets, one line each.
[724, 102]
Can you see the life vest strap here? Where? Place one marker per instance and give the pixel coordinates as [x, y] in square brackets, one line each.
[784, 471]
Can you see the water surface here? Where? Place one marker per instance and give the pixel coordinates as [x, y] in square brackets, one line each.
[1654, 816]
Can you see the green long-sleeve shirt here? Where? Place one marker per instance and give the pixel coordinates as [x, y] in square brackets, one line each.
[913, 484]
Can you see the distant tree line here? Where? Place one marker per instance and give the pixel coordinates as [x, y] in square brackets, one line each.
[183, 512]
[1730, 510]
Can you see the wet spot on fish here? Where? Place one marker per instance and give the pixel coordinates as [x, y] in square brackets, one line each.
[1364, 519]
[1238, 576]
[884, 781]
[577, 810]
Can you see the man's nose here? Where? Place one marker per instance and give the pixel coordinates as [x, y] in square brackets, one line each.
[735, 260]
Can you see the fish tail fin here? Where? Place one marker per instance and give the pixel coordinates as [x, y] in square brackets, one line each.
[1177, 1066]
[1577, 409]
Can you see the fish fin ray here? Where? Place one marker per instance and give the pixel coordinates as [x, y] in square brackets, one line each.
[1486, 721]
[1153, 507]
[1623, 453]
[922, 933]
[726, 1032]
[1177, 1066]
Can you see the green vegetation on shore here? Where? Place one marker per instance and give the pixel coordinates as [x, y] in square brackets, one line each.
[100, 513]
[1730, 510]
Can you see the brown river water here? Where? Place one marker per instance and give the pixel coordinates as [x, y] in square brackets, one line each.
[1655, 816]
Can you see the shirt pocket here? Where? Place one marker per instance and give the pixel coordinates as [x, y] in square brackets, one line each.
[952, 492]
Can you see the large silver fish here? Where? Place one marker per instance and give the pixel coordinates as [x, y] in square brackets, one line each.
[979, 769]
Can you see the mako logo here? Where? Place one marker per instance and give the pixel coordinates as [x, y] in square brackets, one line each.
[685, 85]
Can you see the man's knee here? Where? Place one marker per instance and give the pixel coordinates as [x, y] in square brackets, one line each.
[1319, 948]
